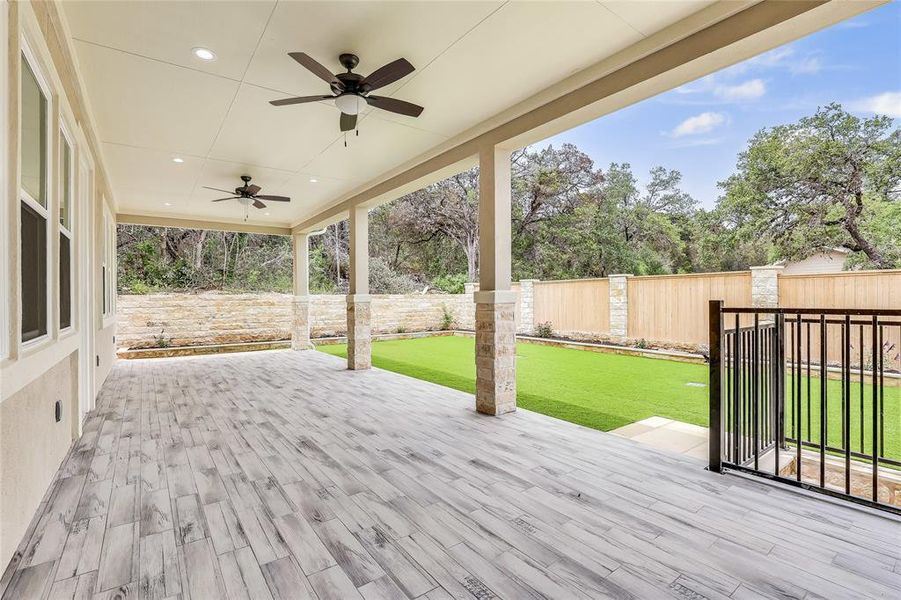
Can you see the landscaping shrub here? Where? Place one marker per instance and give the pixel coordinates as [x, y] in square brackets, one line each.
[544, 330]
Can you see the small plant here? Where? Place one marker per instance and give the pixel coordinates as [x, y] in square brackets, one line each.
[447, 319]
[161, 341]
[642, 344]
[400, 329]
[544, 330]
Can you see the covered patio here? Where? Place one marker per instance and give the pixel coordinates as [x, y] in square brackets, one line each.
[293, 474]
[283, 475]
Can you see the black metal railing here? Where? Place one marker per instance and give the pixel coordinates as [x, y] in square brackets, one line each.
[799, 396]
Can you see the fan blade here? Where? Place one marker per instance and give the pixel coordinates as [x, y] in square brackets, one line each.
[310, 64]
[273, 198]
[299, 100]
[206, 187]
[252, 189]
[396, 106]
[221, 199]
[259, 204]
[386, 75]
[348, 122]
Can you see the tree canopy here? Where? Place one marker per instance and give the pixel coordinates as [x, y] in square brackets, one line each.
[828, 180]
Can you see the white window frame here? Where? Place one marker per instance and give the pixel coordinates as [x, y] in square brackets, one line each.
[67, 139]
[28, 55]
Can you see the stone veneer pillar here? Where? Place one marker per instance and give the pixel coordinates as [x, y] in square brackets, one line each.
[527, 306]
[765, 286]
[495, 352]
[359, 312]
[359, 333]
[619, 305]
[300, 332]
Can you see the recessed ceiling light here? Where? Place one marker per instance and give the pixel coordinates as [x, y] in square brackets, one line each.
[178, 160]
[168, 204]
[313, 180]
[204, 53]
[267, 214]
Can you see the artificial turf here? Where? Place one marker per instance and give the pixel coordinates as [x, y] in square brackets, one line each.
[605, 391]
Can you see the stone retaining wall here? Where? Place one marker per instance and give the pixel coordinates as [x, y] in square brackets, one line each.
[215, 318]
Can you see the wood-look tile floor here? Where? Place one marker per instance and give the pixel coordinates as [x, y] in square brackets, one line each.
[282, 475]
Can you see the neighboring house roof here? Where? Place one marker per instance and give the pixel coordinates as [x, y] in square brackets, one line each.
[826, 261]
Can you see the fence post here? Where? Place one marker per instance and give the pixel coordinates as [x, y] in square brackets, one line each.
[765, 286]
[527, 306]
[715, 336]
[619, 305]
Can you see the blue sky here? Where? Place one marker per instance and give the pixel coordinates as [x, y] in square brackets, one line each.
[701, 127]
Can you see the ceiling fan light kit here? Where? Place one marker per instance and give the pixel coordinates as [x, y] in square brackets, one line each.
[351, 92]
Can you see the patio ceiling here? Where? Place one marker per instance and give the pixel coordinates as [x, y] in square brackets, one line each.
[153, 101]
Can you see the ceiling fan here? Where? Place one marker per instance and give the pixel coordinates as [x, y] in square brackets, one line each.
[248, 195]
[350, 90]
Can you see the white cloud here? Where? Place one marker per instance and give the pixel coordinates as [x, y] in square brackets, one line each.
[887, 103]
[749, 90]
[806, 66]
[787, 58]
[694, 143]
[702, 123]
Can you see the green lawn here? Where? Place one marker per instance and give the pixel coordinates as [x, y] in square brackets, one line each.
[604, 391]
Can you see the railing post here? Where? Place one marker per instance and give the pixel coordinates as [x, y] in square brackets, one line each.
[715, 336]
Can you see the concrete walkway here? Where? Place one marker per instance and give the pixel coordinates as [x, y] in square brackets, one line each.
[668, 435]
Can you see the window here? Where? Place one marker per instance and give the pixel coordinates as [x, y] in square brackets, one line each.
[33, 197]
[108, 263]
[66, 194]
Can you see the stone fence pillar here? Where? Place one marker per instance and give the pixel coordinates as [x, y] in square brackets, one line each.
[527, 306]
[359, 332]
[300, 333]
[765, 286]
[619, 305]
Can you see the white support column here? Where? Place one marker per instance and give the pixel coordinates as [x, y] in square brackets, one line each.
[300, 333]
[495, 301]
[619, 305]
[359, 337]
[765, 286]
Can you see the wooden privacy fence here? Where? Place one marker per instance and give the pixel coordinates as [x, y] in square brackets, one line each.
[672, 309]
[574, 305]
[852, 289]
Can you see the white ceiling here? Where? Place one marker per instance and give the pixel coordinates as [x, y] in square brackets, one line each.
[152, 100]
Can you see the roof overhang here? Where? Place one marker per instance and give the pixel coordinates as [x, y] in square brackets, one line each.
[152, 104]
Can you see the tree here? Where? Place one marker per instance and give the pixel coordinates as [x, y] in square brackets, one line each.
[831, 179]
[449, 209]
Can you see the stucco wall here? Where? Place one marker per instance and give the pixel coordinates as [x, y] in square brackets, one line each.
[215, 318]
[32, 445]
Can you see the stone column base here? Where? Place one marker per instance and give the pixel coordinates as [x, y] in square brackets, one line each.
[359, 335]
[495, 352]
[300, 334]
